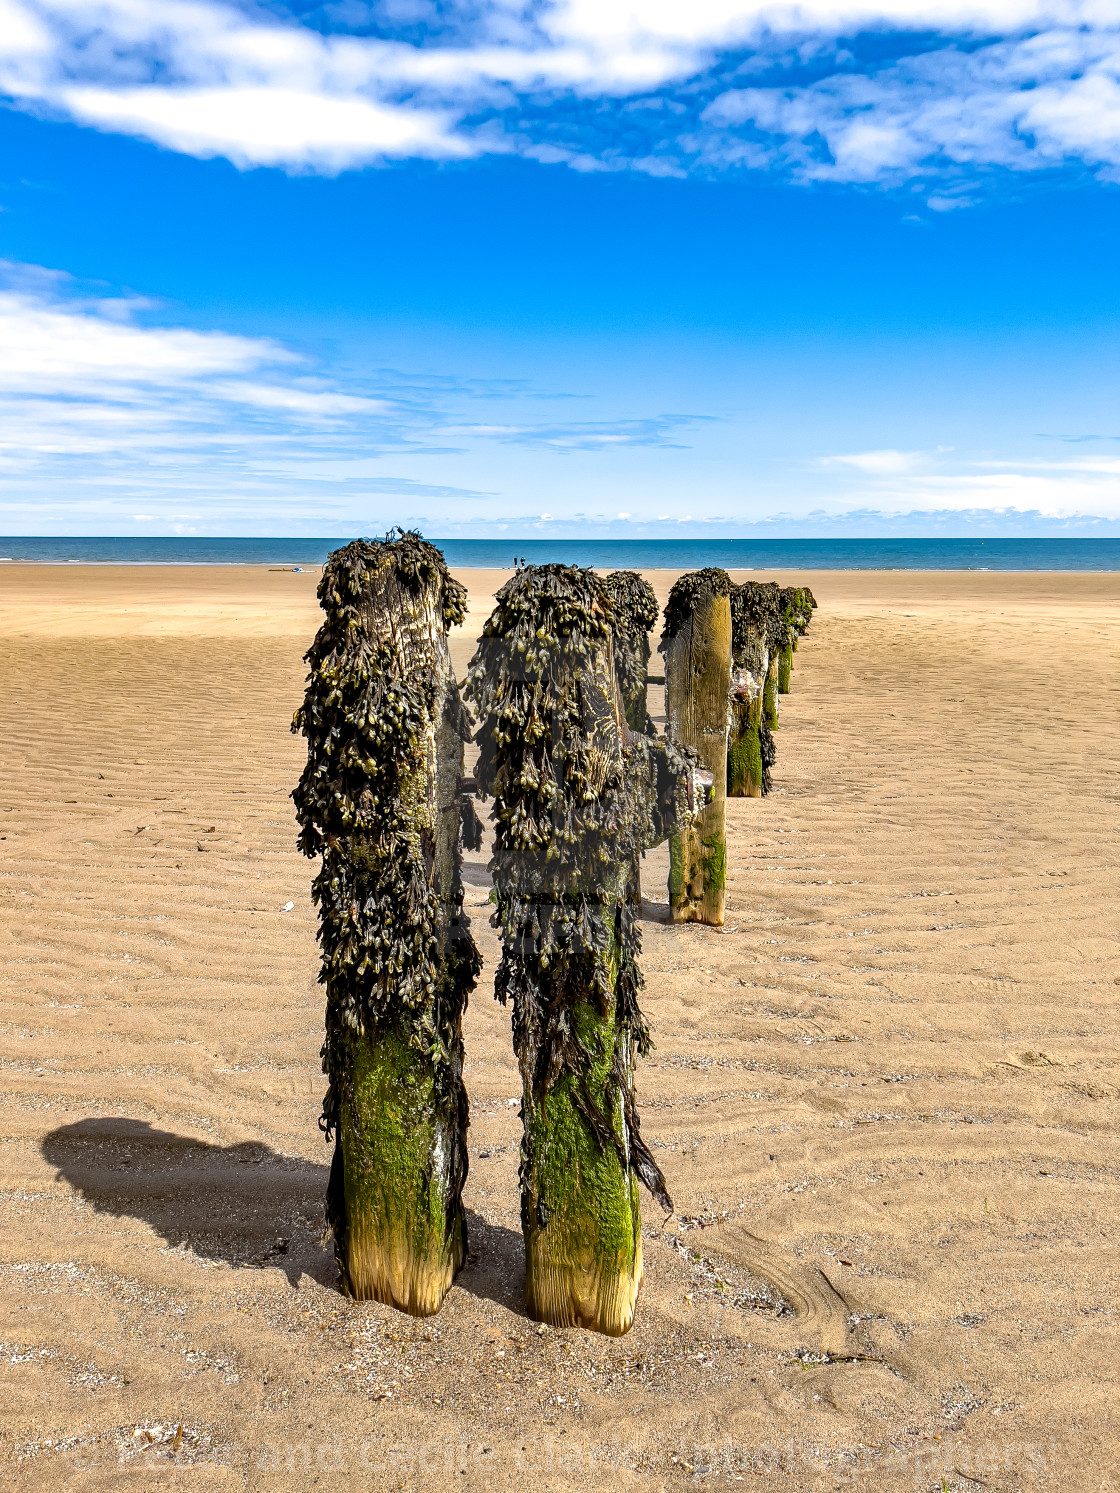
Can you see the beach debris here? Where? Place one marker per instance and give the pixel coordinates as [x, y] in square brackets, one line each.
[696, 644]
[379, 801]
[576, 794]
[287, 907]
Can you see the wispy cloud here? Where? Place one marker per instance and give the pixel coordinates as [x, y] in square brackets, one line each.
[588, 435]
[900, 481]
[878, 463]
[103, 409]
[937, 90]
[81, 373]
[103, 406]
[110, 415]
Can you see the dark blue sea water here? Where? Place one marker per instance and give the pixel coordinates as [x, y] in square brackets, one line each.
[635, 554]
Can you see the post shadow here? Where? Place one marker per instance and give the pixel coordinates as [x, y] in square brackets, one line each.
[655, 912]
[238, 1205]
[243, 1205]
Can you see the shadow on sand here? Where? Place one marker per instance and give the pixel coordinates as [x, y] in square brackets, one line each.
[243, 1205]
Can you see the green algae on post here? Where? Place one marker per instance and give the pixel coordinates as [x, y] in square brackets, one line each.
[696, 644]
[770, 693]
[379, 801]
[576, 796]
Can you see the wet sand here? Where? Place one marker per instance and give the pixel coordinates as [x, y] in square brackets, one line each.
[885, 1095]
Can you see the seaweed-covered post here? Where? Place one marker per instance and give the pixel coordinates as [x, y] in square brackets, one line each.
[797, 604]
[634, 610]
[787, 600]
[696, 643]
[379, 800]
[574, 792]
[747, 772]
[804, 605]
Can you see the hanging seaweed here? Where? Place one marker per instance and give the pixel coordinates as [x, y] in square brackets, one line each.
[379, 800]
[634, 611]
[576, 794]
[696, 643]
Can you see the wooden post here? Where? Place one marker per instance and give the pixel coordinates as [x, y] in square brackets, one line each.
[765, 621]
[751, 605]
[575, 793]
[796, 611]
[634, 611]
[696, 643]
[789, 633]
[379, 800]
[770, 690]
[805, 604]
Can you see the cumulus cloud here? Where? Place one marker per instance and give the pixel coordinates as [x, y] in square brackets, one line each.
[852, 90]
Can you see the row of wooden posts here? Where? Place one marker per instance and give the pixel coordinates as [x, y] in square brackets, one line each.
[581, 785]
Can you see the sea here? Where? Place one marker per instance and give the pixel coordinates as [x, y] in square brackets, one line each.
[611, 554]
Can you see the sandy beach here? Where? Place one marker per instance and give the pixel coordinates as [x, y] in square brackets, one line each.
[885, 1095]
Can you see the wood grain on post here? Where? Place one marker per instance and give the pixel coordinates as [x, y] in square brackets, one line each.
[696, 645]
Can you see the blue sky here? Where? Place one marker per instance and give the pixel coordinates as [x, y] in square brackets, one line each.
[560, 269]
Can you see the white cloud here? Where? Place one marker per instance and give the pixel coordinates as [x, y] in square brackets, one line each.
[82, 376]
[111, 417]
[72, 349]
[1025, 104]
[104, 409]
[900, 482]
[1037, 83]
[878, 463]
[584, 435]
[265, 126]
[311, 403]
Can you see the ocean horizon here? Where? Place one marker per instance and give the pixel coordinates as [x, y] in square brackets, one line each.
[619, 554]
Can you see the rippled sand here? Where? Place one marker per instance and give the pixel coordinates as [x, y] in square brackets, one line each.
[885, 1096]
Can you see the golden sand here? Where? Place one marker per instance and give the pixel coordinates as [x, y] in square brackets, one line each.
[885, 1095]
